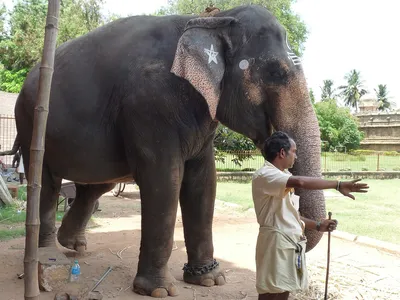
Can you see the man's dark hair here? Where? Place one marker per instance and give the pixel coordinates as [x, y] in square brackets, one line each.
[273, 145]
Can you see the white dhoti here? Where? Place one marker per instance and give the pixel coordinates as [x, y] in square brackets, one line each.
[281, 262]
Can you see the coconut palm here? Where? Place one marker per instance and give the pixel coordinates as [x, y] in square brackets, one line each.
[382, 97]
[354, 90]
[328, 91]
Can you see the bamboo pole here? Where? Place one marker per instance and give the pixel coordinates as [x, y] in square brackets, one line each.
[37, 152]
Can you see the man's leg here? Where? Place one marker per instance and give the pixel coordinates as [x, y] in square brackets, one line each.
[281, 296]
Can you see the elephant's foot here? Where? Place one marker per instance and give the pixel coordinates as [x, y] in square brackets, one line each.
[47, 240]
[208, 275]
[155, 286]
[74, 241]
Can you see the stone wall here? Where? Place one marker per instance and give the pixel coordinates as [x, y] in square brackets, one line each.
[382, 131]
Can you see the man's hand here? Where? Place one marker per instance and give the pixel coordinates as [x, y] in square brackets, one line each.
[347, 187]
[328, 225]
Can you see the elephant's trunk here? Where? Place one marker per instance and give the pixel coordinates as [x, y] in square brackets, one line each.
[295, 115]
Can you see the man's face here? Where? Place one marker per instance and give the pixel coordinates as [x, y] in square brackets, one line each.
[291, 156]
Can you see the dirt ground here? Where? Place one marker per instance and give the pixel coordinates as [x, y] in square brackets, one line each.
[356, 272]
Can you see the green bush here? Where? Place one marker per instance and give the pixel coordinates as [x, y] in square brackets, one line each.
[12, 81]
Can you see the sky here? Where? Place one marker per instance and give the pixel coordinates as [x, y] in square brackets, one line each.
[343, 35]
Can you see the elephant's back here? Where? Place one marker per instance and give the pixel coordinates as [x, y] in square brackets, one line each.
[93, 74]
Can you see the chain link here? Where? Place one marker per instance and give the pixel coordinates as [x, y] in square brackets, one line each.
[196, 271]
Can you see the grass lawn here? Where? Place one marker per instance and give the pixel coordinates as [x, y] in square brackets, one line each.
[375, 214]
[12, 222]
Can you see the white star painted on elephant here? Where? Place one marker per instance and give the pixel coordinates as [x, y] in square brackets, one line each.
[212, 55]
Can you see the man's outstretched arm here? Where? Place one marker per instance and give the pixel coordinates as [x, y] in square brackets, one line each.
[313, 183]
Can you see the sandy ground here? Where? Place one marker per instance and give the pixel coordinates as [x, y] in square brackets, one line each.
[356, 272]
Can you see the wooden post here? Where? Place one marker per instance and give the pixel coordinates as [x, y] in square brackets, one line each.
[37, 152]
[377, 163]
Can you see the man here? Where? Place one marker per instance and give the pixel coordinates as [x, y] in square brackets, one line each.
[281, 244]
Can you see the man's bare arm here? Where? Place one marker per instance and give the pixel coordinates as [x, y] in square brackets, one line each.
[313, 183]
[323, 225]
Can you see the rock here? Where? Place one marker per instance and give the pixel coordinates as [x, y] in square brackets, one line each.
[95, 295]
[65, 296]
[54, 268]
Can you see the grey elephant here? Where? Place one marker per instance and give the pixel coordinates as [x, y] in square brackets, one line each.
[140, 98]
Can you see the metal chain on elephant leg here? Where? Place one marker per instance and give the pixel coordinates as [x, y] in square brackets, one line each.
[196, 271]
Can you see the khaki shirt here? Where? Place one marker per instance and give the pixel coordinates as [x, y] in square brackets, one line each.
[274, 204]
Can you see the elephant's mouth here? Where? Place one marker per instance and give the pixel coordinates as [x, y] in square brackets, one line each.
[258, 143]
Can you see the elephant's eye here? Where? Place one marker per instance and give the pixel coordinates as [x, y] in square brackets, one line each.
[276, 74]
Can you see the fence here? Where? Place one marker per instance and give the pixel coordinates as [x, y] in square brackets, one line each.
[8, 132]
[330, 161]
[250, 160]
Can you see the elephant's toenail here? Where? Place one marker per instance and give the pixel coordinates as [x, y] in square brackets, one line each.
[220, 280]
[207, 282]
[173, 290]
[81, 249]
[159, 293]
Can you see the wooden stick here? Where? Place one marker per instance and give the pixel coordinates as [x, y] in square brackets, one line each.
[328, 260]
[37, 152]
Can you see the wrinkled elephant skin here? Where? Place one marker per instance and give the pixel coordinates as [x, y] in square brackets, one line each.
[141, 98]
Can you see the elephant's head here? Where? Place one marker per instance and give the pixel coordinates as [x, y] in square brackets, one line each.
[241, 62]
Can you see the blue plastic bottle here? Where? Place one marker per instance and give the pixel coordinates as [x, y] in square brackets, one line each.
[75, 272]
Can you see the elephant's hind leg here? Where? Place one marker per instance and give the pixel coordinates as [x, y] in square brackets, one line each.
[48, 205]
[72, 231]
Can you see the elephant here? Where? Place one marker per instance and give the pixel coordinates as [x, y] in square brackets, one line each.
[140, 99]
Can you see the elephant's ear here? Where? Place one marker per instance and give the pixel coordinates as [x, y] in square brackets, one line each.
[200, 57]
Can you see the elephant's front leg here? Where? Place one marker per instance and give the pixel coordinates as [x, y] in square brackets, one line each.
[197, 203]
[159, 191]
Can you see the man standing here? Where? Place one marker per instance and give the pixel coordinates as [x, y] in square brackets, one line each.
[281, 243]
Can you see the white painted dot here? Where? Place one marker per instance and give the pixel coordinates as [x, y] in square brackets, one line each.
[244, 64]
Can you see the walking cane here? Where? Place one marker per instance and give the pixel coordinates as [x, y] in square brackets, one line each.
[328, 260]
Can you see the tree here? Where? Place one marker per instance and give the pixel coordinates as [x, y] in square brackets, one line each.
[3, 14]
[338, 127]
[327, 90]
[382, 97]
[312, 96]
[282, 9]
[21, 45]
[354, 90]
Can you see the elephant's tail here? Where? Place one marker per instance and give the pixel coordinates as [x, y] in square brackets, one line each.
[14, 148]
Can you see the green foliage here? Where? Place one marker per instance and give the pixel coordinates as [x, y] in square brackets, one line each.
[373, 152]
[327, 90]
[282, 9]
[21, 45]
[12, 81]
[229, 140]
[338, 127]
[354, 90]
[312, 96]
[382, 95]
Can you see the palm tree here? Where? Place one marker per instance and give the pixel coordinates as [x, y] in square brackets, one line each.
[383, 99]
[354, 90]
[328, 91]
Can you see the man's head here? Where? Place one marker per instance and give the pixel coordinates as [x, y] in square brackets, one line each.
[280, 150]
